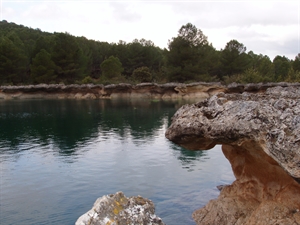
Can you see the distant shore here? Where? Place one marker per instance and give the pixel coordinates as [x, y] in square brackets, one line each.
[197, 90]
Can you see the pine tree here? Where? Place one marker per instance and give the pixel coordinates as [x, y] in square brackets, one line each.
[12, 62]
[111, 67]
[67, 57]
[43, 68]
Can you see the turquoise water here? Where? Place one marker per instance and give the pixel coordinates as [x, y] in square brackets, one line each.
[58, 156]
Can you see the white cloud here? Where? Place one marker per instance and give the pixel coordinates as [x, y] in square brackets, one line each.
[43, 11]
[253, 23]
[125, 12]
[8, 11]
[217, 14]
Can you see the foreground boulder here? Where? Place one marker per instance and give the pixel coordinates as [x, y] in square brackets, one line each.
[260, 136]
[118, 209]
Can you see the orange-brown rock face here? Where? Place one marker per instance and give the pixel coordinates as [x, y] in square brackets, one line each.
[260, 136]
[263, 192]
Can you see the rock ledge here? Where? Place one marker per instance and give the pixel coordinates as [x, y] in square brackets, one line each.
[260, 136]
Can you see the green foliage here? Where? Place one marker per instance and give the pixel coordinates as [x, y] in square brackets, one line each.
[115, 80]
[87, 80]
[111, 67]
[67, 56]
[43, 68]
[99, 52]
[192, 35]
[296, 63]
[234, 59]
[262, 65]
[251, 76]
[138, 53]
[293, 76]
[282, 66]
[43, 42]
[31, 56]
[12, 61]
[235, 78]
[142, 74]
[188, 54]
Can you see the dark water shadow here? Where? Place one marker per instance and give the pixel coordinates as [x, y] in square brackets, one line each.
[188, 158]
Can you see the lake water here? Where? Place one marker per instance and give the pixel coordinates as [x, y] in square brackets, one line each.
[58, 156]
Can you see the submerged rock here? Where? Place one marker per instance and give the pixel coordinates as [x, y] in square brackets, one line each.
[117, 209]
[260, 136]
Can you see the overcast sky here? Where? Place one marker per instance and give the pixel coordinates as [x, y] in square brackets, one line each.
[265, 27]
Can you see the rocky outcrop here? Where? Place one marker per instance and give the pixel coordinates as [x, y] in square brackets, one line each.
[193, 91]
[118, 209]
[260, 136]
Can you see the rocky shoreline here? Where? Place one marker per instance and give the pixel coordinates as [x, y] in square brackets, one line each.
[260, 136]
[198, 90]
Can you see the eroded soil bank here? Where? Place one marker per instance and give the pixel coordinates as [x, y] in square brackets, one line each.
[144, 90]
[260, 137]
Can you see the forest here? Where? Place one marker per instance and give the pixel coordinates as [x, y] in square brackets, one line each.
[31, 56]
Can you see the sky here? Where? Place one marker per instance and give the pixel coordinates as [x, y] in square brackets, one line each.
[265, 27]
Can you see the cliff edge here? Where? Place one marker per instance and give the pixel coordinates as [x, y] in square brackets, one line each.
[260, 136]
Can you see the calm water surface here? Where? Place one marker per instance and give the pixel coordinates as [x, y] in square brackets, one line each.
[58, 156]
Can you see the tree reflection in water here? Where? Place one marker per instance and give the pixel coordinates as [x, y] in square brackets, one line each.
[67, 124]
[58, 156]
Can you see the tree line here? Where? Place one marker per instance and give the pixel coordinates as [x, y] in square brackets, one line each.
[31, 56]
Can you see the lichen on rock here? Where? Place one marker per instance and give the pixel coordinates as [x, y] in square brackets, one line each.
[118, 209]
[260, 136]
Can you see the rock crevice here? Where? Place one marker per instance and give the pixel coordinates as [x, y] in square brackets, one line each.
[260, 137]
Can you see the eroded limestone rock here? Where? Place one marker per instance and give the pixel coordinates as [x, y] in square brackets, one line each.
[118, 209]
[260, 136]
